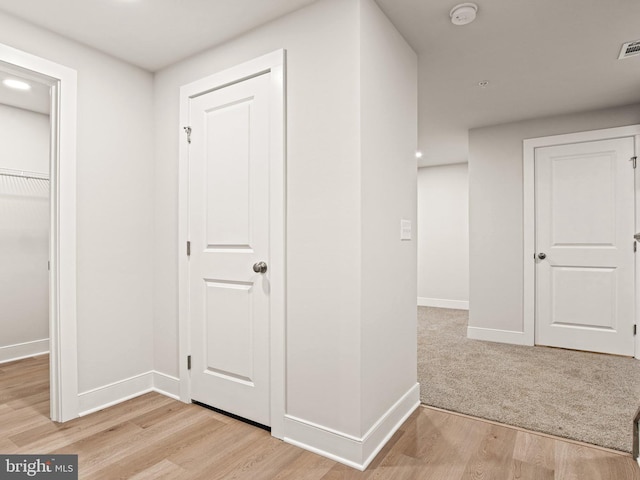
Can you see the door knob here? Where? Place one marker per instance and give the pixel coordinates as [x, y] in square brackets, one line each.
[541, 256]
[260, 267]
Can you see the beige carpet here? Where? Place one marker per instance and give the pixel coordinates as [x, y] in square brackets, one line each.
[583, 396]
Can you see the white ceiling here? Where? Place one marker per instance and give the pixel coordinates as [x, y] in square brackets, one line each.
[150, 33]
[37, 99]
[542, 57]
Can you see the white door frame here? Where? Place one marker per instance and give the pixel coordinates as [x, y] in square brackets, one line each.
[62, 232]
[529, 147]
[273, 63]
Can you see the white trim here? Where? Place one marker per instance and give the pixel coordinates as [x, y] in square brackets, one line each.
[529, 246]
[496, 335]
[62, 244]
[117, 392]
[443, 303]
[18, 351]
[389, 423]
[166, 385]
[274, 64]
[637, 257]
[355, 452]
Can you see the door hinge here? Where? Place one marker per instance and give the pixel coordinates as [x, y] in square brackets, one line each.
[187, 130]
[188, 249]
[49, 265]
[635, 329]
[635, 246]
[188, 362]
[634, 159]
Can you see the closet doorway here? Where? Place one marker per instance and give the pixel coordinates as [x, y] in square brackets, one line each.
[44, 188]
[25, 109]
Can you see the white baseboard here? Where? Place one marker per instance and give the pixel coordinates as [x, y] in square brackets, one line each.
[495, 335]
[443, 303]
[114, 393]
[166, 385]
[118, 392]
[19, 351]
[356, 452]
[382, 431]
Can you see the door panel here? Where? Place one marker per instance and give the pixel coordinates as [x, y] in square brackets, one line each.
[584, 297]
[229, 233]
[229, 346]
[583, 205]
[584, 225]
[228, 175]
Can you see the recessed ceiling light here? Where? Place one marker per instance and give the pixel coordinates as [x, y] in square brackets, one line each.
[483, 83]
[16, 84]
[463, 14]
[418, 154]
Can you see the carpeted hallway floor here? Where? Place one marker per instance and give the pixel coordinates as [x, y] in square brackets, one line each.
[583, 396]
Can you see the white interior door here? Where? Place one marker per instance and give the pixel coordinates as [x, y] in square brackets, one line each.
[229, 234]
[585, 207]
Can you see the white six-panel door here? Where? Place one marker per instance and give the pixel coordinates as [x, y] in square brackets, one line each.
[229, 233]
[584, 203]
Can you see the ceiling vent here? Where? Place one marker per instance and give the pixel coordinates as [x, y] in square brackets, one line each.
[630, 49]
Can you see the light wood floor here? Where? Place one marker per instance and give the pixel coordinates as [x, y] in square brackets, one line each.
[154, 437]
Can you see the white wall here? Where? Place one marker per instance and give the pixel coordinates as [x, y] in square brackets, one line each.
[115, 205]
[24, 140]
[496, 221]
[24, 234]
[336, 121]
[323, 216]
[388, 119]
[443, 236]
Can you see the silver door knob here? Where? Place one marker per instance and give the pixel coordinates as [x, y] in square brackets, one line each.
[260, 267]
[542, 256]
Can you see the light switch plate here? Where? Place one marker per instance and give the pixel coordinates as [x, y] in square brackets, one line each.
[405, 229]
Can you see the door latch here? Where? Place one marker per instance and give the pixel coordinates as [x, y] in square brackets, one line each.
[187, 130]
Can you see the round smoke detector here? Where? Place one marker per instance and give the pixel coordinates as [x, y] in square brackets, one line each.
[463, 14]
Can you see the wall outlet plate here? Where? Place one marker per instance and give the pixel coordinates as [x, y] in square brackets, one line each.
[405, 229]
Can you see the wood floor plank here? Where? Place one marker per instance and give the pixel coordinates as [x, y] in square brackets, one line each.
[163, 470]
[307, 466]
[155, 437]
[150, 445]
[262, 462]
[241, 459]
[524, 470]
[535, 450]
[30, 401]
[213, 447]
[7, 447]
[50, 436]
[494, 456]
[577, 462]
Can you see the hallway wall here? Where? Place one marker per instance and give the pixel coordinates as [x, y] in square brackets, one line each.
[115, 173]
[443, 236]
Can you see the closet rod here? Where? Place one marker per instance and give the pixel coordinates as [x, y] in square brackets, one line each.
[5, 172]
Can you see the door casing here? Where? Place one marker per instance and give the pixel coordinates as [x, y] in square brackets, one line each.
[529, 147]
[273, 64]
[63, 346]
